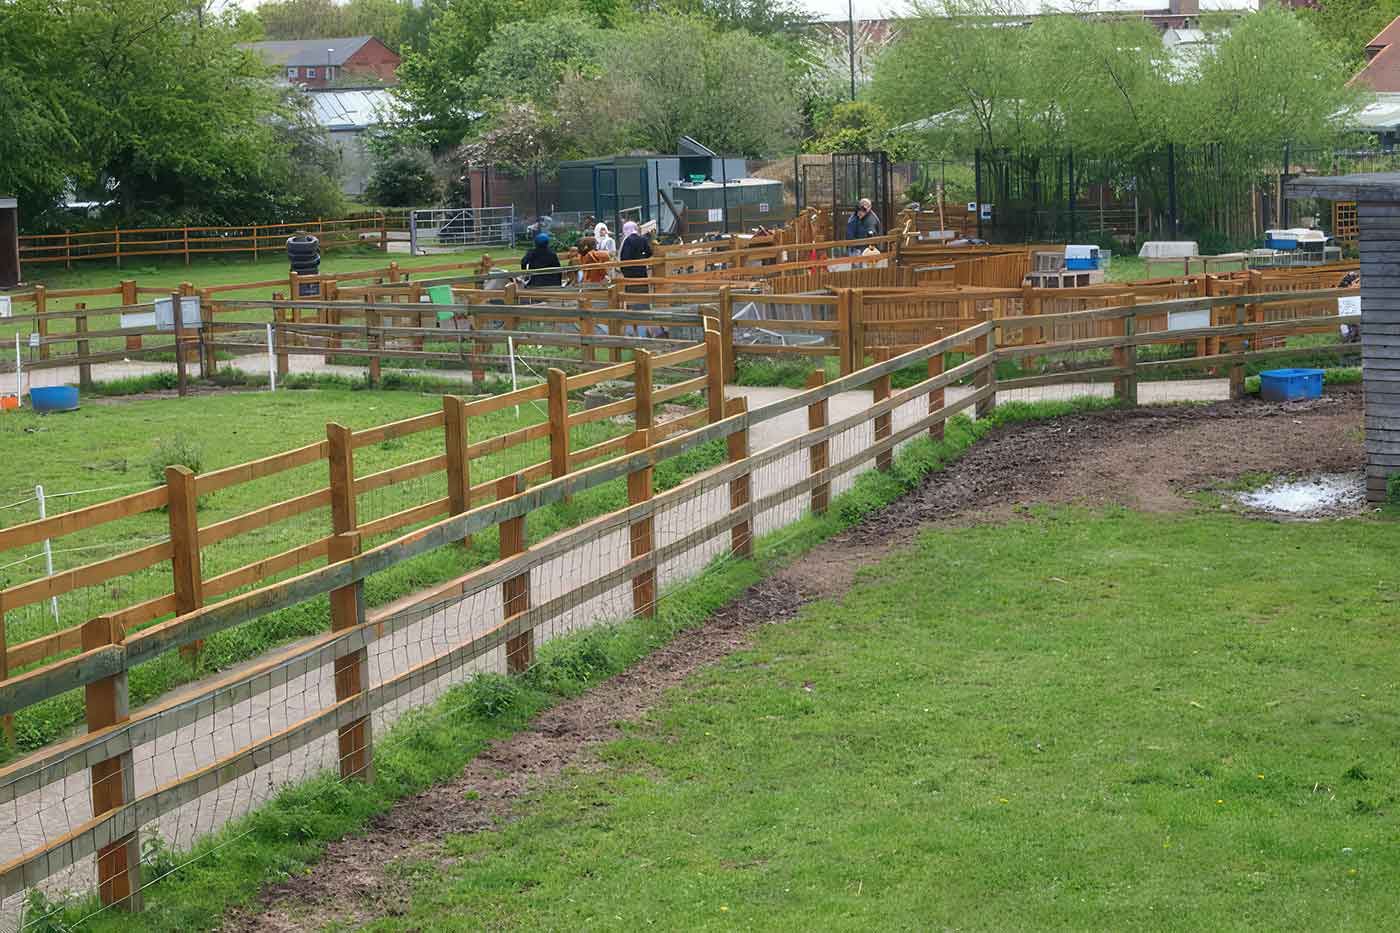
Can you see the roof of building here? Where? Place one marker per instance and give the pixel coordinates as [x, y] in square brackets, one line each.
[1381, 114]
[1390, 35]
[1382, 72]
[351, 108]
[309, 52]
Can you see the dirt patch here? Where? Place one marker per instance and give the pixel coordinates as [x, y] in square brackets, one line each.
[1144, 458]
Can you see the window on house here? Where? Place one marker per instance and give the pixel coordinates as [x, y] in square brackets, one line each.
[291, 72]
[311, 72]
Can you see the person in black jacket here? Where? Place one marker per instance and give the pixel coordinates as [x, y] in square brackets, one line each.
[634, 246]
[541, 256]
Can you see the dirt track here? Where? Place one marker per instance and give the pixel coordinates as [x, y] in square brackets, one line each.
[1143, 459]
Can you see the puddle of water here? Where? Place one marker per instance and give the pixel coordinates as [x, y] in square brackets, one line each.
[1322, 494]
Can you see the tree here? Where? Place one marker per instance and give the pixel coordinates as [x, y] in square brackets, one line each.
[1345, 26]
[403, 179]
[528, 60]
[850, 126]
[1238, 98]
[436, 92]
[961, 69]
[386, 20]
[730, 90]
[38, 148]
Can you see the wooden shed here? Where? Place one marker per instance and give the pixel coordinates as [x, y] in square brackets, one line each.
[1377, 197]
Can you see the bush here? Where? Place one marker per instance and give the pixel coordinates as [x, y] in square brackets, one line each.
[178, 450]
[403, 179]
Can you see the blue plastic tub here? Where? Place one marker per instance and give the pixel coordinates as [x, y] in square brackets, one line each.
[1285, 385]
[1087, 262]
[54, 398]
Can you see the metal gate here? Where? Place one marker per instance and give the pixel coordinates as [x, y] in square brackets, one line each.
[842, 184]
[441, 230]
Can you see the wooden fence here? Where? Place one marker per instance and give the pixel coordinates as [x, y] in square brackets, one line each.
[657, 379]
[109, 649]
[144, 242]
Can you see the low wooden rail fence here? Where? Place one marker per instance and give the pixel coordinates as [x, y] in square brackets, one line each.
[657, 379]
[105, 820]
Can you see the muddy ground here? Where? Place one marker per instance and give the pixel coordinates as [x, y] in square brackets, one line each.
[1147, 459]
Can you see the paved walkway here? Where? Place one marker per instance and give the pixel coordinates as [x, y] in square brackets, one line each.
[46, 815]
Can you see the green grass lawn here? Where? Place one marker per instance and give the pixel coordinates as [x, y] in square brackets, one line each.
[1073, 720]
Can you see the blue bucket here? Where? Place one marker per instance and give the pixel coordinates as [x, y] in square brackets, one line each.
[1287, 385]
[54, 398]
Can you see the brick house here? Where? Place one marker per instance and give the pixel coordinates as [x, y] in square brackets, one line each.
[317, 63]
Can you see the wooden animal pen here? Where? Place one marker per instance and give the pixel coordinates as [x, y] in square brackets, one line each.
[1377, 197]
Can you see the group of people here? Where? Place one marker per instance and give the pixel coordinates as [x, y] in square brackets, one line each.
[591, 251]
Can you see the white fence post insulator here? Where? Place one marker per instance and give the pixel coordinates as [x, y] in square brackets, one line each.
[48, 547]
[271, 362]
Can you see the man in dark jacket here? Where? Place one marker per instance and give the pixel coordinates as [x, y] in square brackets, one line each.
[542, 257]
[862, 224]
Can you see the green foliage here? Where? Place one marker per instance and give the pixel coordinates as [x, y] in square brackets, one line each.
[1347, 25]
[390, 21]
[1392, 489]
[174, 451]
[970, 73]
[491, 695]
[849, 126]
[404, 178]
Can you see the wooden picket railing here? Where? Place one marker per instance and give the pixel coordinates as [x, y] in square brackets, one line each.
[187, 242]
[108, 650]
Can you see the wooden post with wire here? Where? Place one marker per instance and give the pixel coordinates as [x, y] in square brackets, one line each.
[348, 605]
[642, 389]
[182, 511]
[819, 454]
[279, 318]
[515, 592]
[459, 470]
[726, 332]
[128, 287]
[558, 422]
[844, 332]
[741, 535]
[181, 377]
[642, 531]
[986, 377]
[41, 322]
[107, 703]
[884, 460]
[935, 396]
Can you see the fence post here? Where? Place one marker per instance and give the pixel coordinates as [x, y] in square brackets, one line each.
[642, 389]
[393, 273]
[819, 454]
[348, 604]
[1237, 368]
[857, 329]
[185, 567]
[986, 376]
[558, 422]
[459, 470]
[374, 339]
[80, 325]
[714, 373]
[642, 531]
[279, 317]
[107, 703]
[935, 396]
[1125, 358]
[186, 240]
[330, 292]
[208, 335]
[515, 592]
[128, 286]
[883, 423]
[588, 352]
[726, 330]
[179, 319]
[741, 535]
[41, 323]
[8, 720]
[844, 333]
[615, 303]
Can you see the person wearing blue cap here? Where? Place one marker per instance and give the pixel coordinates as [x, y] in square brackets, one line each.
[541, 256]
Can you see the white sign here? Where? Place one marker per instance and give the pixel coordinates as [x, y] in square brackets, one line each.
[986, 212]
[34, 339]
[763, 207]
[1188, 320]
[716, 215]
[1349, 306]
[139, 319]
[5, 306]
[189, 312]
[972, 207]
